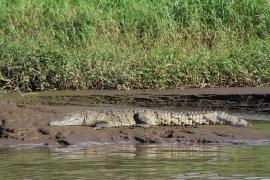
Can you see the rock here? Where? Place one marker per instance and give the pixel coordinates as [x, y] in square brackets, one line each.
[146, 140]
[204, 141]
[44, 131]
[122, 132]
[220, 134]
[63, 142]
[60, 139]
[187, 131]
[168, 134]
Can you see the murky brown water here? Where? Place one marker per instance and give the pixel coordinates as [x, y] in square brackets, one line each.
[137, 162]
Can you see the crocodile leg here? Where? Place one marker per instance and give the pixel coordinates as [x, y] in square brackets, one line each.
[101, 125]
[145, 119]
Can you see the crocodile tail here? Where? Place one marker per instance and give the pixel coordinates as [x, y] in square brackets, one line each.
[233, 120]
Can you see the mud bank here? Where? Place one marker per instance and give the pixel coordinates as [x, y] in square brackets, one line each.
[27, 124]
[234, 99]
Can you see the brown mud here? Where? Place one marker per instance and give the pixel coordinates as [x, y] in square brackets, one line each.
[24, 118]
[253, 99]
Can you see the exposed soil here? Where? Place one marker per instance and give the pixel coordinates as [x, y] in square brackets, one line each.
[23, 121]
[234, 99]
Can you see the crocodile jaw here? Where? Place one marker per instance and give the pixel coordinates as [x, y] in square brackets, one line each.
[70, 120]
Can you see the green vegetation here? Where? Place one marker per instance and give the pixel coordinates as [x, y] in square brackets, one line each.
[62, 44]
[262, 125]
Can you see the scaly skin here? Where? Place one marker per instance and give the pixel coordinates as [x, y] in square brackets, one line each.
[146, 117]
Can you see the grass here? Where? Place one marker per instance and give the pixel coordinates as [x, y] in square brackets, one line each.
[261, 125]
[81, 44]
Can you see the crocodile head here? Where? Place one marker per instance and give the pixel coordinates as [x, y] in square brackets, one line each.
[72, 119]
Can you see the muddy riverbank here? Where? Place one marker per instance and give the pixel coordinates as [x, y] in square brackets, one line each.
[24, 118]
[233, 99]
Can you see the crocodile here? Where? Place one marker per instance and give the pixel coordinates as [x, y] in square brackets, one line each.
[147, 117]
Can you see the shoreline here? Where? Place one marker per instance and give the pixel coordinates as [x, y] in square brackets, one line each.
[23, 119]
[88, 144]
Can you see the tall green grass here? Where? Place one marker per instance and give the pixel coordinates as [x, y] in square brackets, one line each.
[61, 44]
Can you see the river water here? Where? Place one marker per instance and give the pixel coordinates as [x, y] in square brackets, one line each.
[133, 161]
